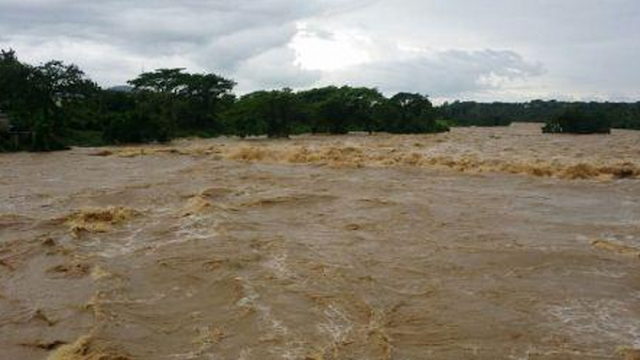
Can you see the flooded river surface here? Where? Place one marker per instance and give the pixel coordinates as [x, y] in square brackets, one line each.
[479, 244]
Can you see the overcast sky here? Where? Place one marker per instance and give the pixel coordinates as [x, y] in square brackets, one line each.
[450, 49]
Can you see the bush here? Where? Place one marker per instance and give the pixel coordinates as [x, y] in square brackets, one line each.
[84, 138]
[135, 128]
[441, 126]
[578, 121]
[44, 135]
[492, 121]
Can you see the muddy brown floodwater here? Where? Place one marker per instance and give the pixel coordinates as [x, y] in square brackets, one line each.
[479, 244]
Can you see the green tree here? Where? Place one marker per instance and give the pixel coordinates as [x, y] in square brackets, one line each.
[203, 97]
[577, 120]
[312, 101]
[17, 90]
[190, 101]
[408, 113]
[273, 113]
[348, 108]
[160, 81]
[42, 99]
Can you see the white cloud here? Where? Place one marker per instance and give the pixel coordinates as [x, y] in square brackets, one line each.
[481, 49]
[266, 71]
[328, 51]
[451, 73]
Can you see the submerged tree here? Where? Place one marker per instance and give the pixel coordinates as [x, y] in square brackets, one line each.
[188, 101]
[264, 112]
[348, 108]
[576, 120]
[471, 113]
[407, 113]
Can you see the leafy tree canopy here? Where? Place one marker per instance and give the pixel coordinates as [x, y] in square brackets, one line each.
[56, 105]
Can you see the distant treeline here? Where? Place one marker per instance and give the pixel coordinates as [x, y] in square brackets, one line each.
[616, 115]
[54, 105]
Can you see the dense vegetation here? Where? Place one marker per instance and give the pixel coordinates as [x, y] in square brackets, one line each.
[618, 115]
[577, 120]
[54, 105]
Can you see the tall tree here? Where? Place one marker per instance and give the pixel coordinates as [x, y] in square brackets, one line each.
[191, 101]
[407, 113]
[264, 112]
[160, 80]
[349, 108]
[204, 96]
[39, 98]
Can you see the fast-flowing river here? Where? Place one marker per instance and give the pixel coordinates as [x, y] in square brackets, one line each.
[479, 244]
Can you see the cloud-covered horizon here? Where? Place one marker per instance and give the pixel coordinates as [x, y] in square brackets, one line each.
[482, 50]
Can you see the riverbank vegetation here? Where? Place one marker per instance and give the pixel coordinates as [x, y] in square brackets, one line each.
[55, 105]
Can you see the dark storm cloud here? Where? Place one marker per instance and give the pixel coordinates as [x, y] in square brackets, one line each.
[159, 27]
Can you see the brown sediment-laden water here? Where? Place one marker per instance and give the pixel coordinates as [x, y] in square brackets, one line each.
[479, 244]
